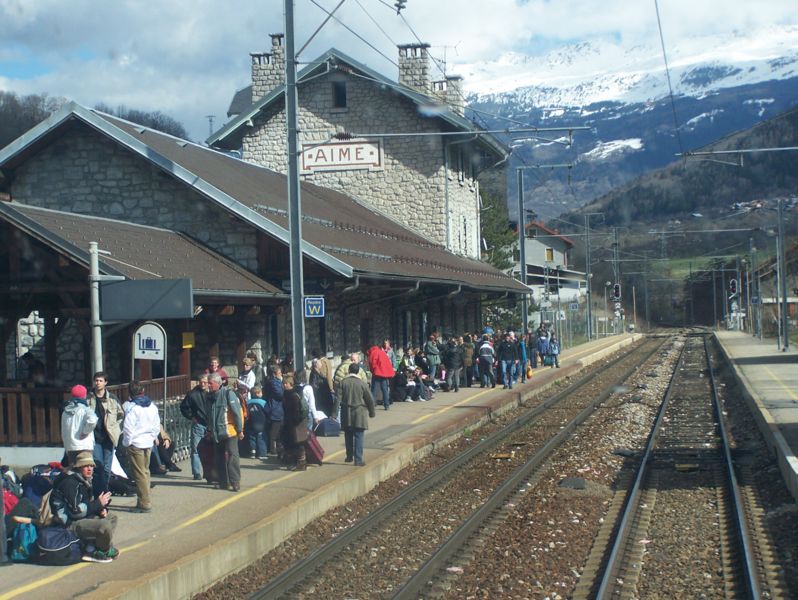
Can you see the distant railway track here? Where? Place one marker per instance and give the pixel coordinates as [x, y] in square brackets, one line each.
[403, 545]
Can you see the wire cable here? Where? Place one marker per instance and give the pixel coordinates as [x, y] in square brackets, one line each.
[376, 23]
[668, 75]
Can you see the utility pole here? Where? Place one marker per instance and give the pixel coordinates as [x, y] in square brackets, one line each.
[294, 200]
[616, 270]
[782, 278]
[522, 252]
[714, 301]
[588, 276]
[692, 312]
[210, 124]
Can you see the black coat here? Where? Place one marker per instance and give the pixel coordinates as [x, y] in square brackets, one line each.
[453, 357]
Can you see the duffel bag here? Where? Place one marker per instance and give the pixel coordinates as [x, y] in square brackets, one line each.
[328, 428]
[58, 546]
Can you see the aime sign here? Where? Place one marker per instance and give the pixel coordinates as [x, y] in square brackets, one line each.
[342, 156]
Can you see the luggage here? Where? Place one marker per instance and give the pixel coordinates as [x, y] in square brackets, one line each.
[314, 453]
[548, 360]
[58, 546]
[206, 455]
[328, 428]
[23, 542]
[121, 486]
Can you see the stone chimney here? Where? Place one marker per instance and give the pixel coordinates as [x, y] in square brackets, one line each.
[454, 94]
[268, 68]
[414, 69]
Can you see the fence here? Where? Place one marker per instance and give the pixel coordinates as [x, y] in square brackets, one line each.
[32, 416]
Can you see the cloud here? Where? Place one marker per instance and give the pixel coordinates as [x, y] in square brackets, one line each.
[187, 57]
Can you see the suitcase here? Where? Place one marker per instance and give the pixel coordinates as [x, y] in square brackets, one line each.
[206, 456]
[328, 428]
[314, 453]
[548, 360]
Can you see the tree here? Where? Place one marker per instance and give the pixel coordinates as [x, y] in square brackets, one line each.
[154, 120]
[497, 234]
[18, 114]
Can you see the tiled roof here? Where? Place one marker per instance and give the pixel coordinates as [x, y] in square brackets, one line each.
[140, 252]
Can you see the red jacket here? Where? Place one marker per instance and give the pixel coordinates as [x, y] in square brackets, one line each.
[379, 363]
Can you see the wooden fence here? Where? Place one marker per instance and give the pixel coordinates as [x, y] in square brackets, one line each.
[32, 416]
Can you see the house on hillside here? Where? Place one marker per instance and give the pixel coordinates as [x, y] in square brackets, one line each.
[548, 269]
[403, 148]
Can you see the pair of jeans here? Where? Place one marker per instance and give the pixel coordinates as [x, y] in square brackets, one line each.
[453, 378]
[507, 373]
[486, 373]
[257, 443]
[139, 459]
[382, 383]
[353, 439]
[197, 433]
[103, 459]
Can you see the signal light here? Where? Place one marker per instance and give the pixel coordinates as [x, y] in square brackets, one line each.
[616, 291]
[733, 286]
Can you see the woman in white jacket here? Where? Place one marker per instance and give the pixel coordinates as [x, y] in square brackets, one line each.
[77, 424]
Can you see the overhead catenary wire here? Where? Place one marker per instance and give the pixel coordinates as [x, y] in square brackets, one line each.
[668, 75]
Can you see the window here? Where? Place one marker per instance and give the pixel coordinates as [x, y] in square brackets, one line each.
[549, 254]
[516, 254]
[339, 94]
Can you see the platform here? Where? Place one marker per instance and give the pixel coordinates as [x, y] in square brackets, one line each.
[768, 378]
[196, 535]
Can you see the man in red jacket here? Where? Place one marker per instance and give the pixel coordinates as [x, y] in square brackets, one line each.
[381, 373]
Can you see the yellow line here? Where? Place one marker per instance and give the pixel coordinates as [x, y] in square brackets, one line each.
[446, 408]
[40, 582]
[781, 383]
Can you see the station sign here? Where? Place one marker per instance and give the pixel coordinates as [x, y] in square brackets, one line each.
[149, 342]
[314, 307]
[573, 306]
[350, 155]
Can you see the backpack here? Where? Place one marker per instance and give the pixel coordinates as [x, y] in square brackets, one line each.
[46, 515]
[23, 542]
[58, 546]
[257, 417]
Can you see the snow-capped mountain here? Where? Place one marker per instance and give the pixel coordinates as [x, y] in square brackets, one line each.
[720, 85]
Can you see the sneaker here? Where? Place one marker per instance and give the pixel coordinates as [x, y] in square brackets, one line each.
[112, 553]
[252, 454]
[98, 556]
[349, 459]
[409, 400]
[197, 477]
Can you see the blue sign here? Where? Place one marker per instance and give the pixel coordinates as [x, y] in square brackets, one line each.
[314, 307]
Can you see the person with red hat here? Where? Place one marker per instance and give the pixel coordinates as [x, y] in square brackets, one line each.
[77, 424]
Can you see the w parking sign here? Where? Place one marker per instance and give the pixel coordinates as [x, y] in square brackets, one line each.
[314, 307]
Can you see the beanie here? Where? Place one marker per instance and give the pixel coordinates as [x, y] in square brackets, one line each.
[84, 459]
[79, 391]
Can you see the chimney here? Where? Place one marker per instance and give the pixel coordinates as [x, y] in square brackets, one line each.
[268, 68]
[454, 94]
[414, 70]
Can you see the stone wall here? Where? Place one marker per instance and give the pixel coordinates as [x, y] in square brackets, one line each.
[85, 173]
[412, 186]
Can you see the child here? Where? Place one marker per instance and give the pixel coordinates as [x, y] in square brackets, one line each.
[256, 423]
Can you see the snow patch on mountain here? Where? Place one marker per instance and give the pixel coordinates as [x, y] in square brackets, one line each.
[590, 72]
[611, 149]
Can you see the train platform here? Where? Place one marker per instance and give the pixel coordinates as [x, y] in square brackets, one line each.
[196, 535]
[768, 378]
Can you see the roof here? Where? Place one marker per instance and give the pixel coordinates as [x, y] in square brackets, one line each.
[229, 136]
[338, 232]
[139, 252]
[552, 232]
[241, 101]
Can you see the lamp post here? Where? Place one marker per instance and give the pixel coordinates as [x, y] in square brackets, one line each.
[606, 312]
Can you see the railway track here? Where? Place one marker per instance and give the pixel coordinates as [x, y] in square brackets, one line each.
[403, 545]
[687, 528]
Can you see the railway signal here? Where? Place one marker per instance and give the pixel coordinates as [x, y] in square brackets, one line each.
[616, 291]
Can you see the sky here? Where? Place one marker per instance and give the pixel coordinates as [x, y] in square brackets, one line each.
[186, 58]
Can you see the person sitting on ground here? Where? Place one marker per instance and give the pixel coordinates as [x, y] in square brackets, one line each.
[399, 389]
[74, 505]
[77, 424]
[162, 456]
[140, 430]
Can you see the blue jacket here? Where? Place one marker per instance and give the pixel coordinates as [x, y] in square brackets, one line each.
[273, 393]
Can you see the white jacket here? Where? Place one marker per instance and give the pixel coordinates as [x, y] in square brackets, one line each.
[77, 427]
[141, 426]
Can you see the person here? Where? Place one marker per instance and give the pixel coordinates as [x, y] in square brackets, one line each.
[75, 506]
[453, 362]
[357, 405]
[31, 369]
[399, 386]
[214, 367]
[381, 373]
[107, 431]
[314, 414]
[246, 378]
[273, 392]
[386, 346]
[486, 355]
[418, 386]
[343, 369]
[468, 359]
[194, 407]
[322, 380]
[507, 355]
[257, 423]
[77, 424]
[295, 424]
[140, 430]
[554, 349]
[162, 455]
[257, 367]
[226, 428]
[433, 354]
[542, 343]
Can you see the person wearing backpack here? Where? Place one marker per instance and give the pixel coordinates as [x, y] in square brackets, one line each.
[75, 507]
[257, 423]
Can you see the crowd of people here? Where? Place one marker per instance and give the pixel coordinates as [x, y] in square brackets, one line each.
[268, 412]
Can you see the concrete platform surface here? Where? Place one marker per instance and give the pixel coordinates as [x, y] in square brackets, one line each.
[195, 535]
[768, 378]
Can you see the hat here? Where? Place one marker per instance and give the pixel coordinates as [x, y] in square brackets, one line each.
[84, 459]
[79, 391]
